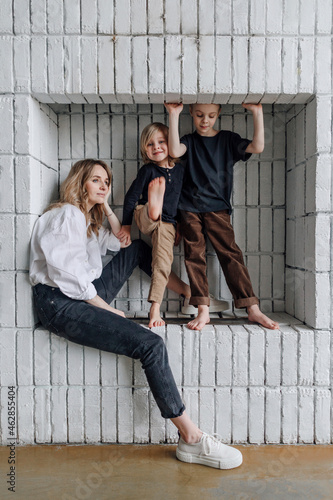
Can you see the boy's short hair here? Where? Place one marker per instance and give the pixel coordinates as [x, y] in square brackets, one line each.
[191, 105]
[147, 134]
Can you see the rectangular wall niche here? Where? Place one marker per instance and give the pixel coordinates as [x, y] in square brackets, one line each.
[262, 214]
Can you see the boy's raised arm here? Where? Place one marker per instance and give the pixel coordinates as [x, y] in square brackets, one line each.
[176, 148]
[258, 141]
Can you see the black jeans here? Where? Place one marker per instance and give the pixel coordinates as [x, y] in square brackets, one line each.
[92, 326]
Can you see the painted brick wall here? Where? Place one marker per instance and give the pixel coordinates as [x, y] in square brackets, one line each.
[112, 133]
[308, 212]
[97, 71]
[245, 383]
[121, 51]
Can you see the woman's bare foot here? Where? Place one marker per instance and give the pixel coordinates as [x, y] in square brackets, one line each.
[255, 315]
[201, 320]
[155, 316]
[156, 189]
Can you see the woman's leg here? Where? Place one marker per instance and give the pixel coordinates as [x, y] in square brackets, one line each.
[116, 272]
[91, 326]
[189, 432]
[120, 268]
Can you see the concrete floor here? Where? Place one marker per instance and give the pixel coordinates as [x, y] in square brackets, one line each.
[149, 472]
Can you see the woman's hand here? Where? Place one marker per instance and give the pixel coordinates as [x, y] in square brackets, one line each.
[106, 203]
[117, 311]
[111, 216]
[97, 301]
[124, 236]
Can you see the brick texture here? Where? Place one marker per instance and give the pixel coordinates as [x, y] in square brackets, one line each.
[82, 78]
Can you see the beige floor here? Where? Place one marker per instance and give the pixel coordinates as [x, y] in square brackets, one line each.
[144, 472]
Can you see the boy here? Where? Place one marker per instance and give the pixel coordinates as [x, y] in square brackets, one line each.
[205, 204]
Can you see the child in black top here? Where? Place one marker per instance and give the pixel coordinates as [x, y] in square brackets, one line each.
[205, 204]
[156, 191]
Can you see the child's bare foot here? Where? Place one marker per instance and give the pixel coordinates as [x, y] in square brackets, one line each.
[201, 320]
[155, 316]
[255, 315]
[156, 189]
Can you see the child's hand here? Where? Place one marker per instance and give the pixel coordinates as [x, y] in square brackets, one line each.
[258, 141]
[174, 108]
[254, 108]
[127, 243]
[124, 236]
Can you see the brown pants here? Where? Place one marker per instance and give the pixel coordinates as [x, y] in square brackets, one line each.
[220, 232]
[163, 239]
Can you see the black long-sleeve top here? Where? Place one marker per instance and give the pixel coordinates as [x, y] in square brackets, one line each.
[138, 192]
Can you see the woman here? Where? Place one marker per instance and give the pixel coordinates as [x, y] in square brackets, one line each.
[72, 294]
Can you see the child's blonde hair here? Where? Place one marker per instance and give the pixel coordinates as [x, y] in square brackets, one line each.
[192, 106]
[147, 134]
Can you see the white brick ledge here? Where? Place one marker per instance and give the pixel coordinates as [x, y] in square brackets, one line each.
[246, 383]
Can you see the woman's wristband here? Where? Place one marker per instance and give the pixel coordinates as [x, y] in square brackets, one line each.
[111, 213]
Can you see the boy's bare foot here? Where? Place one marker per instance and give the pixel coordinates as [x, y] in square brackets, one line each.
[255, 315]
[155, 316]
[156, 189]
[201, 320]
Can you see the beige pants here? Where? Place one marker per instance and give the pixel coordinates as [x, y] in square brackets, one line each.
[162, 238]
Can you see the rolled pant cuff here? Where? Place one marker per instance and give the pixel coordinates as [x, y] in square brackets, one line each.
[174, 415]
[249, 301]
[199, 301]
[154, 298]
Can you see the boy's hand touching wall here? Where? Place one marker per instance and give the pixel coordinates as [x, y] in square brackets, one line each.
[174, 108]
[254, 108]
[176, 149]
[258, 141]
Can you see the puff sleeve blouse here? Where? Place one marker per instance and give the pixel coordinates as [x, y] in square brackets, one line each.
[62, 255]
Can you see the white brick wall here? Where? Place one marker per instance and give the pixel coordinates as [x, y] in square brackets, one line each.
[308, 226]
[114, 137]
[105, 68]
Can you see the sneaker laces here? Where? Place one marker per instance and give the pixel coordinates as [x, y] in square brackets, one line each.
[209, 441]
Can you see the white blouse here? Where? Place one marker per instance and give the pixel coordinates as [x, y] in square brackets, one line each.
[62, 255]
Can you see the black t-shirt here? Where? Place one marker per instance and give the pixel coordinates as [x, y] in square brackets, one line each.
[208, 175]
[139, 188]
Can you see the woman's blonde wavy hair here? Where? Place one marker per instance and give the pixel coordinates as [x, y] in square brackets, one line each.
[147, 134]
[73, 191]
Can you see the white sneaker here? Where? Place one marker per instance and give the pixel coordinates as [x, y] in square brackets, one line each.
[214, 307]
[209, 451]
